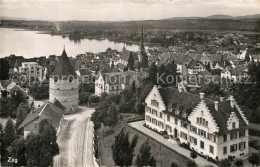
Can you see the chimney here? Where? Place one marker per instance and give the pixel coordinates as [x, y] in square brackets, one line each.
[231, 101]
[202, 95]
[216, 105]
[221, 98]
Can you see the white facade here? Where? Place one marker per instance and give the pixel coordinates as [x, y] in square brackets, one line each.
[201, 130]
[32, 69]
[196, 69]
[114, 83]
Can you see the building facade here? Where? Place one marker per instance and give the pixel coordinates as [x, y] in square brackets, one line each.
[64, 84]
[32, 69]
[115, 82]
[211, 128]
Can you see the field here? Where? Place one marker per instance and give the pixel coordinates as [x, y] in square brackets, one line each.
[163, 155]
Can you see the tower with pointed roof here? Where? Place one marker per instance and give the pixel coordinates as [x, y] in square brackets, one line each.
[142, 56]
[64, 84]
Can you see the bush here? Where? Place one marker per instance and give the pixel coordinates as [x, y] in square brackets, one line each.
[185, 145]
[254, 132]
[255, 144]
[191, 164]
[93, 99]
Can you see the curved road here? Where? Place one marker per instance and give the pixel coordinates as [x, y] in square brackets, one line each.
[75, 140]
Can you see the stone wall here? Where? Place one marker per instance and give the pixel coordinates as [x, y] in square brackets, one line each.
[66, 92]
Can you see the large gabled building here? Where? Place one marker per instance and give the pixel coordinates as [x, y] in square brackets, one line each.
[53, 112]
[216, 129]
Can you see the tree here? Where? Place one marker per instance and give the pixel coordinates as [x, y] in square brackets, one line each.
[42, 147]
[212, 90]
[4, 69]
[153, 74]
[39, 91]
[8, 107]
[22, 112]
[239, 163]
[112, 65]
[247, 58]
[173, 164]
[33, 146]
[193, 154]
[9, 132]
[19, 97]
[122, 149]
[191, 164]
[253, 159]
[144, 157]
[17, 150]
[112, 115]
[83, 97]
[144, 62]
[93, 99]
[131, 61]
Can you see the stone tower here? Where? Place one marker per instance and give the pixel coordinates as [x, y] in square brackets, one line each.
[64, 85]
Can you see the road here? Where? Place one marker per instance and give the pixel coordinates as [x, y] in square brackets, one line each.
[75, 140]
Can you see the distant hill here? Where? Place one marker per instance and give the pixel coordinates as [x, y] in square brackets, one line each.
[220, 17]
[256, 16]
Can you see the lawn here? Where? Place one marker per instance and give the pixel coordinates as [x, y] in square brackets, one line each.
[163, 155]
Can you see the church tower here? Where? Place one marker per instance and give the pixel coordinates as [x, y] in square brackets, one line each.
[142, 56]
[64, 85]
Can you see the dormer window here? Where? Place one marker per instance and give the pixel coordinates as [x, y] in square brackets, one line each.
[70, 79]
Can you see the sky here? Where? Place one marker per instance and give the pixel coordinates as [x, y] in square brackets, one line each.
[124, 10]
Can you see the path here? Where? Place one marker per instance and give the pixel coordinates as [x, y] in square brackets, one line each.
[75, 139]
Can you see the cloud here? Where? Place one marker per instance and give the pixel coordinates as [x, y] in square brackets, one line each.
[124, 9]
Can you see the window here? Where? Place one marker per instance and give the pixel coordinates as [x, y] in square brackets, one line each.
[233, 125]
[55, 79]
[168, 128]
[233, 135]
[202, 121]
[183, 124]
[211, 149]
[233, 148]
[168, 118]
[160, 115]
[202, 144]
[242, 133]
[112, 87]
[242, 145]
[224, 137]
[184, 135]
[193, 129]
[202, 133]
[211, 137]
[116, 87]
[70, 79]
[176, 121]
[224, 150]
[193, 140]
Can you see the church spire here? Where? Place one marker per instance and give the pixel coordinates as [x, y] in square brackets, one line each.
[142, 39]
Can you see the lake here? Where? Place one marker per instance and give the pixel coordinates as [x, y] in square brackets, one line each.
[33, 44]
